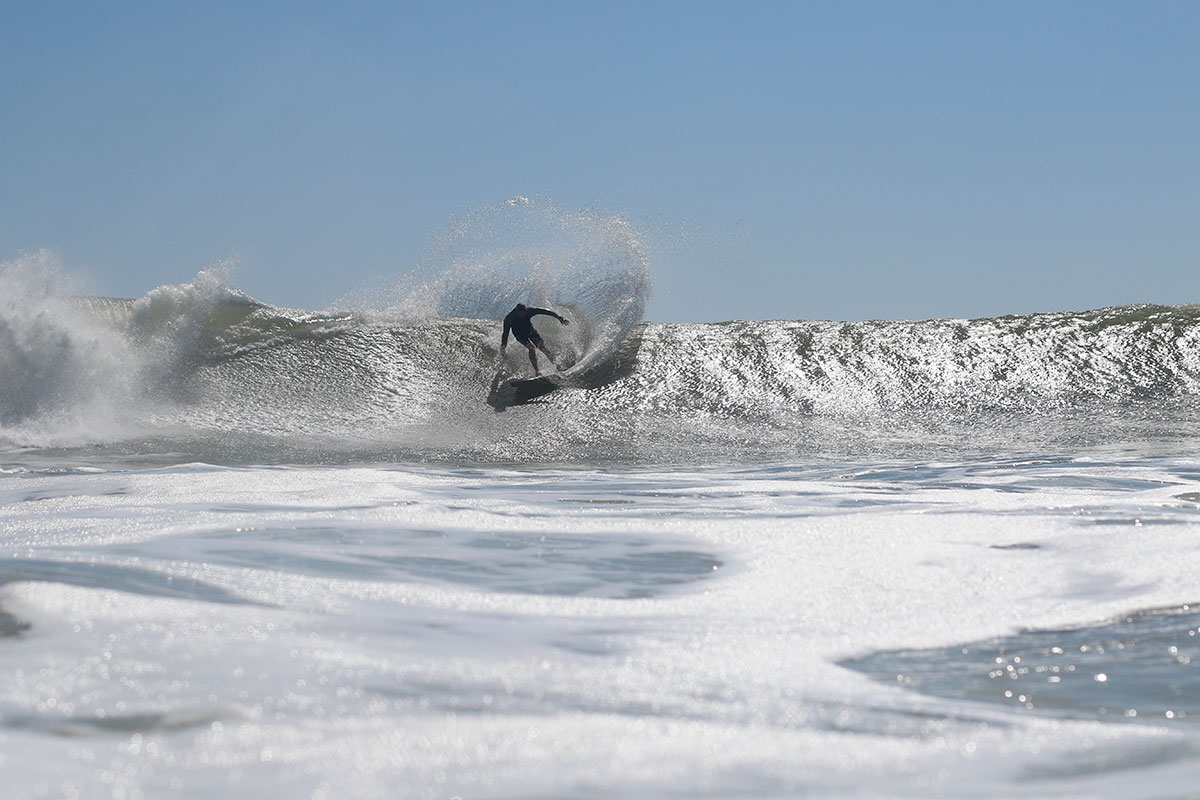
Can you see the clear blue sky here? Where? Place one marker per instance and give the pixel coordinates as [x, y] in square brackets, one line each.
[785, 160]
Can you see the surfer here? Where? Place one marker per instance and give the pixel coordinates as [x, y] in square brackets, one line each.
[519, 321]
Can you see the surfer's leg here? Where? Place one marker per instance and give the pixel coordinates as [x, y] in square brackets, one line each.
[533, 359]
[549, 355]
[536, 341]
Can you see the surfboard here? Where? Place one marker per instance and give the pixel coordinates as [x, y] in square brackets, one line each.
[515, 391]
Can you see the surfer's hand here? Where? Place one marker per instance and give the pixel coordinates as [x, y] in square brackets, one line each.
[564, 320]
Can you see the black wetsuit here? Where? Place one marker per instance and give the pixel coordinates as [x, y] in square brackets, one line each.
[522, 325]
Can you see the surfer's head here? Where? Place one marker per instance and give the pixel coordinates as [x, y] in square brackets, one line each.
[520, 309]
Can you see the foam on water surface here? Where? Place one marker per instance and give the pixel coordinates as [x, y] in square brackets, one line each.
[384, 632]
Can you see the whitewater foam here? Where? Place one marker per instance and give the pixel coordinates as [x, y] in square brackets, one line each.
[62, 373]
[373, 632]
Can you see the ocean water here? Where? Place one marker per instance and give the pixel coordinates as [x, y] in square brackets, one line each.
[249, 551]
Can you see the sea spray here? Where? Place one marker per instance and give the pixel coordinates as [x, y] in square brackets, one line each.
[62, 371]
[77, 370]
[589, 263]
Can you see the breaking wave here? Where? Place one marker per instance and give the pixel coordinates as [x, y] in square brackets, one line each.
[203, 372]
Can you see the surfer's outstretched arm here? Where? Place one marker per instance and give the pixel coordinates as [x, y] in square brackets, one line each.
[535, 311]
[504, 338]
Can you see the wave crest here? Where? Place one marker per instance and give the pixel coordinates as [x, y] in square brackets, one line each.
[56, 361]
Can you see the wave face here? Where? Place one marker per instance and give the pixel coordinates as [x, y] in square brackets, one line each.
[203, 373]
[1019, 363]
